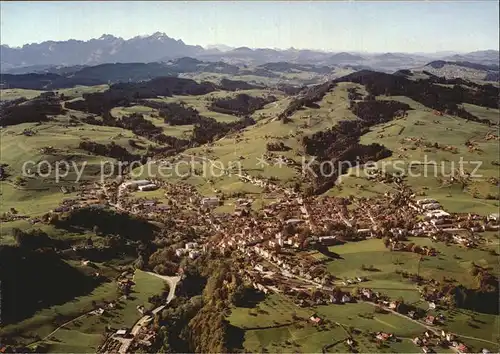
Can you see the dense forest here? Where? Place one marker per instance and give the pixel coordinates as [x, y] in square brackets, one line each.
[241, 105]
[30, 111]
[340, 144]
[426, 92]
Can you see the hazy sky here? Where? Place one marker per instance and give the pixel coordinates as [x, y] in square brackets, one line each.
[420, 26]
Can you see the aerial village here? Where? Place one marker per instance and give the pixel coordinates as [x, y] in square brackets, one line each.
[276, 241]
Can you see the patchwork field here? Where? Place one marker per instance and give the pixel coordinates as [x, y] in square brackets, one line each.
[279, 325]
[52, 141]
[275, 324]
[429, 169]
[85, 331]
[452, 262]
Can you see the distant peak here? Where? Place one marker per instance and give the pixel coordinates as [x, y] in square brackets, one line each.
[159, 35]
[242, 49]
[105, 37]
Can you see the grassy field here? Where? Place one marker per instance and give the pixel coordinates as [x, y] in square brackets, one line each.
[179, 131]
[79, 91]
[254, 79]
[46, 320]
[40, 194]
[296, 77]
[13, 94]
[71, 93]
[202, 102]
[483, 112]
[271, 325]
[429, 169]
[86, 333]
[245, 150]
[473, 324]
[452, 262]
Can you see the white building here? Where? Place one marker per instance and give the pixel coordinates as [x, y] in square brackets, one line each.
[426, 201]
[180, 252]
[135, 184]
[194, 254]
[280, 242]
[493, 217]
[431, 206]
[191, 245]
[210, 201]
[148, 187]
[437, 214]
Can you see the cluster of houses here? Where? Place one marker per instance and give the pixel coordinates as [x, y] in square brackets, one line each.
[87, 197]
[192, 249]
[242, 207]
[143, 340]
[435, 218]
[67, 205]
[112, 343]
[208, 202]
[445, 339]
[12, 216]
[273, 237]
[149, 206]
[125, 282]
[267, 184]
[101, 310]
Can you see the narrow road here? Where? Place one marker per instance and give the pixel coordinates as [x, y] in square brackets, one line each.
[172, 284]
[432, 329]
[480, 339]
[63, 325]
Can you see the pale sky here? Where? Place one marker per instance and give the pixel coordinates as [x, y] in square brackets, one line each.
[374, 26]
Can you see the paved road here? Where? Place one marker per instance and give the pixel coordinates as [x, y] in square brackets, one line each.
[430, 328]
[172, 284]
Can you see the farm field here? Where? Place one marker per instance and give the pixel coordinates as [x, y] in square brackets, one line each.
[69, 93]
[428, 169]
[275, 324]
[451, 262]
[13, 94]
[482, 112]
[179, 131]
[35, 195]
[243, 151]
[86, 332]
[46, 320]
[271, 324]
[201, 103]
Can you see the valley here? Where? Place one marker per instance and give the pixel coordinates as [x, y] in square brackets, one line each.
[308, 221]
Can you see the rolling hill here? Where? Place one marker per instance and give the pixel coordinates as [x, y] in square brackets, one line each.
[364, 117]
[460, 69]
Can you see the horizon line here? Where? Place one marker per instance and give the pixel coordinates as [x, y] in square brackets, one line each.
[205, 47]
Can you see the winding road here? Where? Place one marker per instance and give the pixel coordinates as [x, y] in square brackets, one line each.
[144, 320]
[430, 328]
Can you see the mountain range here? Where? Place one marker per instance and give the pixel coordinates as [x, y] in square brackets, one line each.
[160, 47]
